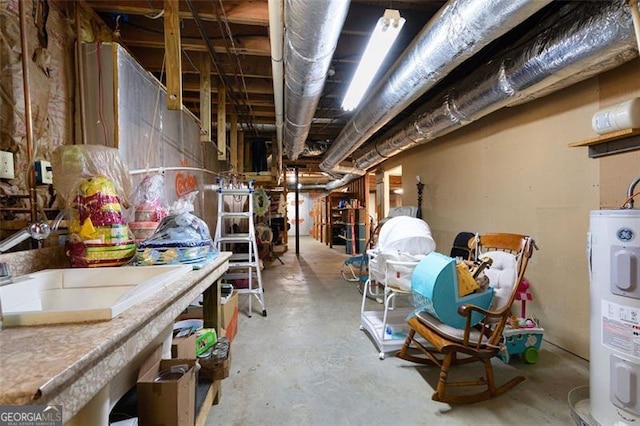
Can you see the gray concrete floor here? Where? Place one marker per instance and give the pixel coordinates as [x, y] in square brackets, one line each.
[308, 363]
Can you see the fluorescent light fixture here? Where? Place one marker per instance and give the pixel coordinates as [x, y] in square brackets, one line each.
[382, 38]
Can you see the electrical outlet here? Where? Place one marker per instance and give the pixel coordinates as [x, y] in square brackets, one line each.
[44, 172]
[6, 165]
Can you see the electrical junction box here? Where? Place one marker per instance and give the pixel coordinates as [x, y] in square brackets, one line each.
[44, 172]
[6, 165]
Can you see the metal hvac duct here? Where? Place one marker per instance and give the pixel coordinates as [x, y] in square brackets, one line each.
[594, 37]
[307, 59]
[459, 30]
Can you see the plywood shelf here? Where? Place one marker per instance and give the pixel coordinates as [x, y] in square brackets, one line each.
[620, 134]
[611, 143]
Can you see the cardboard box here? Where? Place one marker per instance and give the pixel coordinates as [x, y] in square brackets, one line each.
[230, 316]
[166, 402]
[183, 347]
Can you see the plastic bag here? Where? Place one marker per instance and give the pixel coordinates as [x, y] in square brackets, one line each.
[181, 237]
[149, 206]
[98, 231]
[74, 164]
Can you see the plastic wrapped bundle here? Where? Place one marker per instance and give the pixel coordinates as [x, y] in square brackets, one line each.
[180, 238]
[149, 206]
[99, 235]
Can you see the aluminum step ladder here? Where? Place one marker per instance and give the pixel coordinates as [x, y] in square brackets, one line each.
[242, 265]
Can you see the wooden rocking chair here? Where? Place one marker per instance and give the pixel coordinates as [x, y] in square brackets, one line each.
[510, 254]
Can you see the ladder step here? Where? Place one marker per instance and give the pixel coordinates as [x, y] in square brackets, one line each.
[238, 276]
[234, 238]
[235, 191]
[242, 264]
[239, 256]
[247, 291]
[231, 215]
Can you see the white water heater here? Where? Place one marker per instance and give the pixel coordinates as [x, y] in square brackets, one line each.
[614, 268]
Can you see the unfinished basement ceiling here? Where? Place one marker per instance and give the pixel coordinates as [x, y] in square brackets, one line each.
[239, 33]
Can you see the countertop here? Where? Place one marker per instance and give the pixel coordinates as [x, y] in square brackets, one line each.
[38, 364]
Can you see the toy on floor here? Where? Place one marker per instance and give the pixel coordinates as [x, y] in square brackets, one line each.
[522, 336]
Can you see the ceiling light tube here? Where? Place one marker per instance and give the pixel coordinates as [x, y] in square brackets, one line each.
[382, 38]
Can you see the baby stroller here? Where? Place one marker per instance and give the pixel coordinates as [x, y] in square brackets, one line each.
[402, 243]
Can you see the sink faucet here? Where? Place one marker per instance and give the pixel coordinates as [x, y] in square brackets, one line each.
[38, 230]
[632, 187]
[5, 274]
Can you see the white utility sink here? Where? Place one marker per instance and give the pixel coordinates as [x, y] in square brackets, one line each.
[71, 295]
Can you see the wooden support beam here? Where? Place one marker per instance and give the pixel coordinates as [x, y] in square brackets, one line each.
[205, 97]
[233, 142]
[174, 53]
[222, 123]
[240, 152]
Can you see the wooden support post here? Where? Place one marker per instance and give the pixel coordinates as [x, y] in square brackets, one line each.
[222, 123]
[174, 53]
[205, 97]
[233, 142]
[241, 152]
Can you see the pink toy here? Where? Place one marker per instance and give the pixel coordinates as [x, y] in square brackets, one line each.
[523, 295]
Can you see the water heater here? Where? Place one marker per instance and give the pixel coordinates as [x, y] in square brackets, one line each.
[614, 271]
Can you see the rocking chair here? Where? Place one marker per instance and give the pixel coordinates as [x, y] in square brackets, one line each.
[481, 342]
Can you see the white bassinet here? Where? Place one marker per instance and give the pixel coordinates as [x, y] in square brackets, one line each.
[402, 243]
[402, 239]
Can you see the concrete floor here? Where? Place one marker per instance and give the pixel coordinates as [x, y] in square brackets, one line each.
[308, 363]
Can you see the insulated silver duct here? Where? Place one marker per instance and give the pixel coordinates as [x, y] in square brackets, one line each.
[593, 38]
[341, 182]
[309, 187]
[459, 30]
[307, 60]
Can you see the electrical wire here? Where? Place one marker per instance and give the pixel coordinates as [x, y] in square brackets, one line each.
[628, 200]
[230, 36]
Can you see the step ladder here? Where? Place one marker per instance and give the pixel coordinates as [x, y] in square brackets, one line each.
[242, 265]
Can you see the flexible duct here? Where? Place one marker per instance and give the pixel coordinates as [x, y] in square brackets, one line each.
[595, 37]
[459, 30]
[341, 182]
[307, 60]
[276, 38]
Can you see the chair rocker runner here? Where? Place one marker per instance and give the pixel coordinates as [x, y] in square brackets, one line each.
[475, 343]
[242, 265]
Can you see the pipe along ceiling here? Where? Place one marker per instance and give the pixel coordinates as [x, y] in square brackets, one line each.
[588, 38]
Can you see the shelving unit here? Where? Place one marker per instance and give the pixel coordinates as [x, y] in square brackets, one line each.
[611, 143]
[318, 213]
[336, 228]
[355, 220]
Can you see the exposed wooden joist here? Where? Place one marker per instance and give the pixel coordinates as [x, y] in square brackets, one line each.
[249, 45]
[172, 52]
[233, 141]
[245, 12]
[253, 85]
[240, 151]
[222, 123]
[252, 67]
[205, 98]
